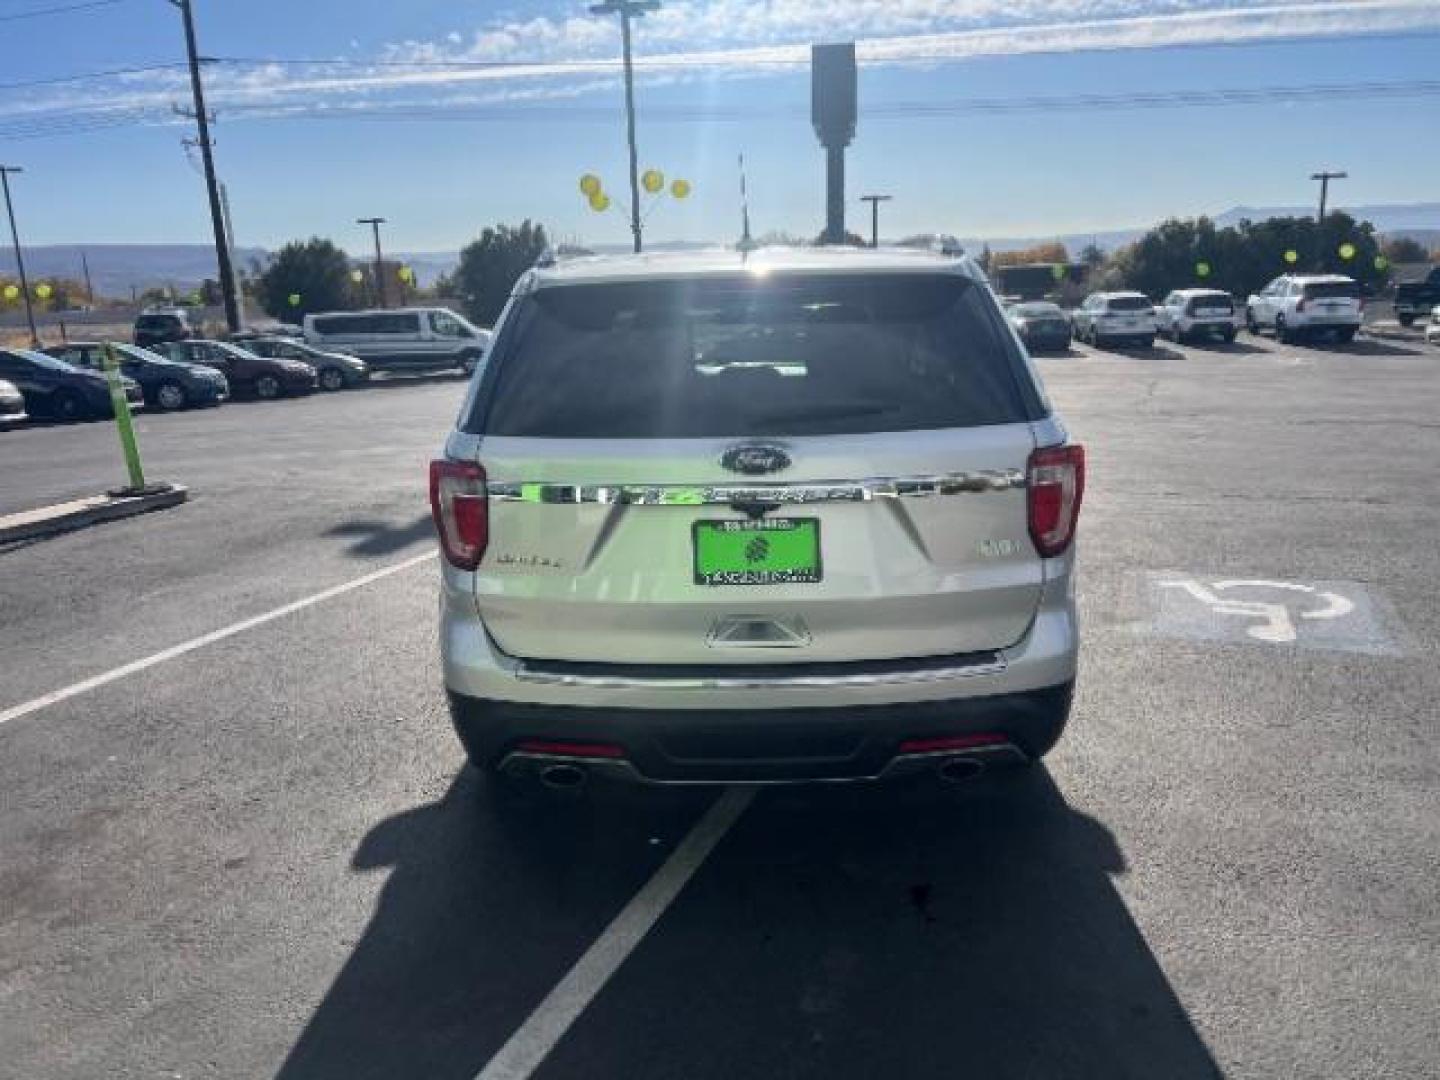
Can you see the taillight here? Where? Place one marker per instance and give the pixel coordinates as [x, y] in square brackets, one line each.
[462, 514]
[1055, 484]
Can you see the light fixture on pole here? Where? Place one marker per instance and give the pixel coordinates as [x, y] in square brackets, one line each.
[875, 201]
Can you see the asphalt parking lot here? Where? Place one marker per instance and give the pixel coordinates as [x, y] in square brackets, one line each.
[237, 839]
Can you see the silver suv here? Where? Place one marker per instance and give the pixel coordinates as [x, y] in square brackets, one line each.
[802, 516]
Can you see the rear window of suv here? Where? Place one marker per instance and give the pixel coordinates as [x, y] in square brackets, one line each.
[1332, 290]
[791, 355]
[1128, 303]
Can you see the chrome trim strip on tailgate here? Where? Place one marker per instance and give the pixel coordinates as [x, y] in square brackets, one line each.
[907, 487]
[991, 665]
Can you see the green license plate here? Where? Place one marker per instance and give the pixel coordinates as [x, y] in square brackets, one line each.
[772, 551]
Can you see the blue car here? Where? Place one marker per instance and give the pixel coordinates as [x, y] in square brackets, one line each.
[166, 384]
[60, 391]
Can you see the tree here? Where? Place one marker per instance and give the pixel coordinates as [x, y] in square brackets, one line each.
[490, 266]
[305, 276]
[1402, 249]
[1243, 258]
[1092, 257]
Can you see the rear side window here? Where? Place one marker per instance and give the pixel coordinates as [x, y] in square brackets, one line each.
[1128, 303]
[1332, 290]
[158, 322]
[792, 355]
[387, 322]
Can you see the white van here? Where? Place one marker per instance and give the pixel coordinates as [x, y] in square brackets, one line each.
[400, 339]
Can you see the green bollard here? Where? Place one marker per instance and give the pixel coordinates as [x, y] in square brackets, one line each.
[121, 406]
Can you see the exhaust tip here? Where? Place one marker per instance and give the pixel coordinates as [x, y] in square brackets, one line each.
[563, 777]
[957, 770]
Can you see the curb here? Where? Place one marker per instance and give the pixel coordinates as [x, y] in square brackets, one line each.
[80, 513]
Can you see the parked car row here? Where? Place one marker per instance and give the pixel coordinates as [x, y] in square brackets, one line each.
[170, 367]
[1291, 307]
[386, 339]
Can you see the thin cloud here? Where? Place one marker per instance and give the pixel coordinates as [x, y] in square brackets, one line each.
[561, 58]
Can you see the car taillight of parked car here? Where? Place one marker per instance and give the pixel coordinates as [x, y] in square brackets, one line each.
[459, 504]
[1054, 487]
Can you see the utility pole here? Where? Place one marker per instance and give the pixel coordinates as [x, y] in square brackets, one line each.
[375, 223]
[875, 201]
[230, 247]
[5, 171]
[627, 10]
[202, 122]
[1324, 178]
[747, 243]
[89, 288]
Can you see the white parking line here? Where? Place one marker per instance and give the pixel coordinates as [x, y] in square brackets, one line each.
[15, 712]
[528, 1047]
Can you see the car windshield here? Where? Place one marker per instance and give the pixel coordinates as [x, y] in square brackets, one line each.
[1128, 303]
[1037, 311]
[750, 356]
[157, 322]
[1212, 300]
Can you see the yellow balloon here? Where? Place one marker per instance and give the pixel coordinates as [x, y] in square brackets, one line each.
[653, 180]
[357, 276]
[680, 189]
[599, 202]
[1381, 262]
[12, 292]
[1347, 251]
[590, 185]
[1292, 256]
[406, 274]
[43, 291]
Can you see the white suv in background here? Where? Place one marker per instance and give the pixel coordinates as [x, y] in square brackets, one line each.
[1110, 317]
[1302, 305]
[1191, 313]
[806, 515]
[1432, 332]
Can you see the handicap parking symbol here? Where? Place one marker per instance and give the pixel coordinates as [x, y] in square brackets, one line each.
[1338, 615]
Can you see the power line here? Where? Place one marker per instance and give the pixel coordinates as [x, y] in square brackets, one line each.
[89, 75]
[800, 60]
[62, 123]
[60, 10]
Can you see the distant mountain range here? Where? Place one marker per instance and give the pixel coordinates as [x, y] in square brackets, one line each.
[117, 268]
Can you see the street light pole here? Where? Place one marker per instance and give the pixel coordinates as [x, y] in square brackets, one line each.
[375, 223]
[1324, 178]
[627, 10]
[5, 171]
[207, 156]
[875, 201]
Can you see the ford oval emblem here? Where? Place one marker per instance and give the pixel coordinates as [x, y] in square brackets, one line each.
[753, 459]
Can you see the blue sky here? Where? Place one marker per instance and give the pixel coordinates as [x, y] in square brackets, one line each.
[403, 122]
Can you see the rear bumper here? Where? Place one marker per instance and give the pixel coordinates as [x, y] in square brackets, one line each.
[733, 724]
[768, 746]
[1208, 326]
